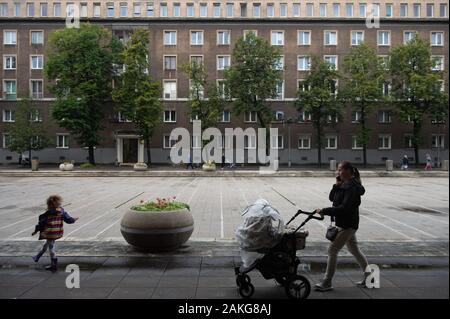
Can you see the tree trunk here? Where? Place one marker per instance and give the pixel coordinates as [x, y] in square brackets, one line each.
[263, 125]
[319, 145]
[91, 155]
[416, 132]
[29, 156]
[363, 128]
[148, 144]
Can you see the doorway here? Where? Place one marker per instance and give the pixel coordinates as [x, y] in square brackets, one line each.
[130, 150]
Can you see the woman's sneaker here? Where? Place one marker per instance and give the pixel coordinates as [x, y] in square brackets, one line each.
[324, 285]
[362, 283]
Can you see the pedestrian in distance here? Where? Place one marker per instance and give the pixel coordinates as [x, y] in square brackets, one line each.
[346, 197]
[405, 162]
[190, 164]
[428, 166]
[51, 227]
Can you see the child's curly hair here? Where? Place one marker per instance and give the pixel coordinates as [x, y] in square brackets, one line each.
[53, 202]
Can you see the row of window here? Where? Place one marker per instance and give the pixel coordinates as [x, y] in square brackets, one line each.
[304, 37]
[219, 10]
[250, 142]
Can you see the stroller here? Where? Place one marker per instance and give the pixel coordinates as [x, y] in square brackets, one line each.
[280, 263]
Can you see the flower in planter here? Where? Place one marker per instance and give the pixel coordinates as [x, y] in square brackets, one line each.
[160, 204]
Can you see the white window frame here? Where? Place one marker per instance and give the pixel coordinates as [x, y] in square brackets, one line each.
[65, 139]
[170, 31]
[302, 138]
[5, 38]
[4, 92]
[357, 117]
[170, 56]
[299, 37]
[441, 44]
[166, 138]
[336, 65]
[224, 57]
[350, 6]
[5, 136]
[391, 10]
[41, 63]
[11, 116]
[355, 143]
[325, 37]
[222, 118]
[172, 116]
[31, 37]
[357, 42]
[323, 9]
[38, 95]
[277, 145]
[440, 138]
[307, 61]
[250, 141]
[327, 140]
[5, 57]
[403, 6]
[197, 32]
[221, 37]
[414, 32]
[176, 90]
[389, 38]
[441, 65]
[415, 6]
[251, 118]
[384, 136]
[277, 32]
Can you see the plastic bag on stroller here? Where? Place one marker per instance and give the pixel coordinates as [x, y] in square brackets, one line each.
[262, 229]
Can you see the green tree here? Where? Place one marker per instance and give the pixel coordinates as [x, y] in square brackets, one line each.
[80, 66]
[137, 96]
[27, 133]
[416, 88]
[253, 77]
[318, 97]
[364, 73]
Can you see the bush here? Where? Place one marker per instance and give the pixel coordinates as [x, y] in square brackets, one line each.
[87, 165]
[160, 205]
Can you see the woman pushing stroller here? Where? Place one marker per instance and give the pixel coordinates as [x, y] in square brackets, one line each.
[346, 197]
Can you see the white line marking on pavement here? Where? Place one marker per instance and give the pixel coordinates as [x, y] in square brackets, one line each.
[18, 222]
[104, 230]
[240, 191]
[413, 204]
[221, 209]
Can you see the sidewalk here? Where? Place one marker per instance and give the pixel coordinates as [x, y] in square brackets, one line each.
[209, 273]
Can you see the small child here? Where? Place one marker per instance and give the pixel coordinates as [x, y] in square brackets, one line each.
[50, 228]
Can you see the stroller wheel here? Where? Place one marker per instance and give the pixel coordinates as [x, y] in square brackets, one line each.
[281, 280]
[242, 280]
[298, 287]
[246, 290]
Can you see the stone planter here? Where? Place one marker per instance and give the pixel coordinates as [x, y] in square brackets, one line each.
[66, 167]
[209, 167]
[156, 231]
[140, 167]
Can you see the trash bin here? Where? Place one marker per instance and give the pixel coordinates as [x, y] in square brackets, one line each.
[445, 165]
[34, 164]
[389, 165]
[276, 165]
[332, 165]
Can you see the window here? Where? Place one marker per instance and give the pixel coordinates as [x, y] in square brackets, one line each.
[110, 10]
[304, 142]
[170, 62]
[443, 10]
[389, 10]
[37, 37]
[384, 59]
[137, 9]
[62, 141]
[357, 37]
[270, 10]
[279, 63]
[189, 10]
[283, 10]
[322, 9]
[37, 89]
[280, 90]
[216, 10]
[35, 140]
[310, 9]
[408, 36]
[37, 62]
[438, 62]
[197, 59]
[170, 37]
[223, 37]
[10, 37]
[375, 9]
[9, 89]
[356, 143]
[437, 141]
[302, 86]
[8, 116]
[170, 90]
[223, 90]
[250, 117]
[437, 38]
[96, 10]
[304, 38]
[176, 10]
[35, 115]
[150, 9]
[70, 10]
[167, 142]
[362, 10]
[203, 10]
[6, 140]
[43, 8]
[336, 10]
[384, 38]
[196, 37]
[123, 9]
[296, 9]
[349, 10]
[384, 117]
[3, 9]
[331, 142]
[330, 38]
[279, 115]
[332, 60]
[409, 141]
[385, 88]
[304, 117]
[122, 118]
[170, 116]
[229, 10]
[83, 10]
[254, 32]
[250, 141]
[17, 9]
[225, 117]
[256, 10]
[277, 37]
[356, 116]
[384, 142]
[304, 63]
[30, 9]
[223, 62]
[430, 10]
[416, 10]
[403, 10]
[9, 62]
[276, 142]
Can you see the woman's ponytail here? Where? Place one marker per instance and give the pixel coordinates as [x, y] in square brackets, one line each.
[356, 175]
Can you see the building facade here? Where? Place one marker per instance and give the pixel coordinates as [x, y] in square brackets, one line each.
[183, 30]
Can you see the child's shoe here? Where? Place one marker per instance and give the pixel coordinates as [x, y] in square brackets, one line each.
[53, 266]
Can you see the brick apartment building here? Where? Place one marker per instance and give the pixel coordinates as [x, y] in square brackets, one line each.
[208, 29]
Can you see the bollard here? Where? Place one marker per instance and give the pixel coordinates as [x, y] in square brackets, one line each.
[333, 165]
[276, 165]
[389, 165]
[445, 165]
[34, 165]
